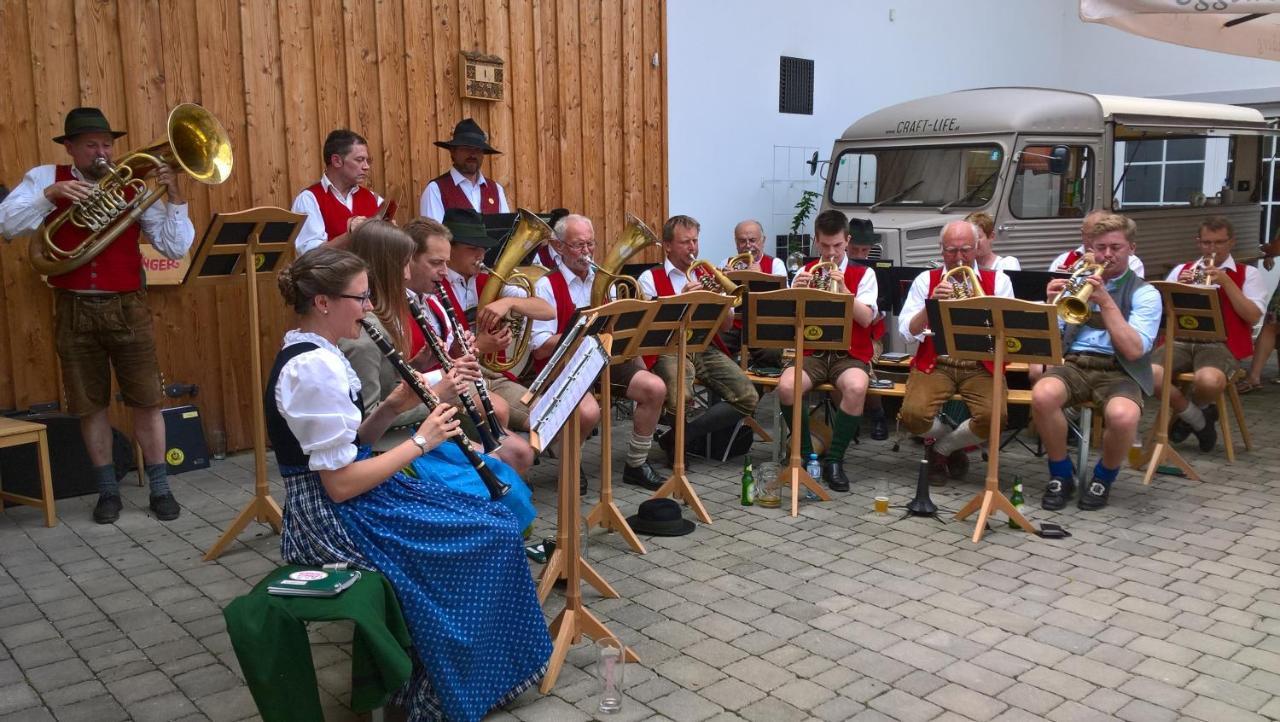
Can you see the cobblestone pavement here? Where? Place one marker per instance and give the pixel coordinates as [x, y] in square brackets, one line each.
[1165, 605]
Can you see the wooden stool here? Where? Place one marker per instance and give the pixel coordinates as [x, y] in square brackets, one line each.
[17, 433]
[1224, 423]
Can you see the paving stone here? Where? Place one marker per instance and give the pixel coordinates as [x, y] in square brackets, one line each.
[1032, 699]
[902, 706]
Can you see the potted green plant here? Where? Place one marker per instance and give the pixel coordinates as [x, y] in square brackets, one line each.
[795, 240]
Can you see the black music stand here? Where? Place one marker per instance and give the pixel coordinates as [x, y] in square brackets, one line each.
[753, 282]
[683, 324]
[260, 239]
[566, 561]
[803, 319]
[622, 321]
[998, 330]
[1191, 313]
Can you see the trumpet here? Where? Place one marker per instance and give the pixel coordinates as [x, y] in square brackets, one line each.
[742, 261]
[824, 274]
[713, 279]
[965, 282]
[1072, 301]
[1200, 269]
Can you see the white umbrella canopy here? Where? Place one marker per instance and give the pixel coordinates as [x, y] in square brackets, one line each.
[1206, 24]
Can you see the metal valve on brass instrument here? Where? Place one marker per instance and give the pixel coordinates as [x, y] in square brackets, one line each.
[1072, 301]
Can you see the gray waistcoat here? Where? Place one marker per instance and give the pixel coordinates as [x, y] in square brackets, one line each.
[1140, 369]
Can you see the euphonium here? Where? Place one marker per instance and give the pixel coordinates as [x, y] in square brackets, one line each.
[1072, 301]
[1200, 270]
[195, 143]
[713, 279]
[529, 233]
[965, 282]
[635, 237]
[823, 273]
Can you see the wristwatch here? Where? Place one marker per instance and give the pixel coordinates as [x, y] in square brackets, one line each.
[420, 442]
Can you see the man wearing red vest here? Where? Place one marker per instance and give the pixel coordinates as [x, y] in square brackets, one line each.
[712, 367]
[1067, 259]
[1242, 295]
[846, 370]
[465, 283]
[338, 201]
[101, 314]
[463, 185]
[569, 288]
[934, 379]
[748, 236]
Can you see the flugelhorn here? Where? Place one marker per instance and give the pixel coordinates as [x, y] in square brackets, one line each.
[195, 143]
[823, 272]
[742, 261]
[713, 279]
[1072, 301]
[1200, 269]
[965, 282]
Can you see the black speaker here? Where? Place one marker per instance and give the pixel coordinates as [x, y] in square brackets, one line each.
[185, 449]
[68, 460]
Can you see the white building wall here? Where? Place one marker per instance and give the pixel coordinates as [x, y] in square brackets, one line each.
[732, 155]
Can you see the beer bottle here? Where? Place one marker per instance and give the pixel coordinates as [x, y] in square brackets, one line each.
[748, 483]
[1016, 500]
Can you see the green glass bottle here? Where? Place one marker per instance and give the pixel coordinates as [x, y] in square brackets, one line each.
[1016, 500]
[748, 484]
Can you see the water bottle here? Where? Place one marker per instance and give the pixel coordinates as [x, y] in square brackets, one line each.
[815, 470]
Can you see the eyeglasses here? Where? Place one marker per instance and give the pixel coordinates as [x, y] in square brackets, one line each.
[584, 247]
[954, 251]
[362, 298]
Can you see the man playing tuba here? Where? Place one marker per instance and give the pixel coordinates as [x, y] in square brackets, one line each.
[1106, 360]
[1242, 296]
[934, 379]
[102, 320]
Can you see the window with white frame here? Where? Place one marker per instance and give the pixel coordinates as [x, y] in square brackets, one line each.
[1270, 195]
[1174, 172]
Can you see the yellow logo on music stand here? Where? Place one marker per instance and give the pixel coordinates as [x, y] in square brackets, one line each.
[812, 333]
[175, 457]
[258, 260]
[1190, 323]
[1012, 345]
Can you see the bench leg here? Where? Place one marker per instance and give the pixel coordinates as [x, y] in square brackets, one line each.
[46, 480]
[1086, 431]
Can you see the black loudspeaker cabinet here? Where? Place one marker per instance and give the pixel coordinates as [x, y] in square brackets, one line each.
[68, 461]
[185, 449]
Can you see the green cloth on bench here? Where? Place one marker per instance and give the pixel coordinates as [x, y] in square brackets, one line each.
[269, 635]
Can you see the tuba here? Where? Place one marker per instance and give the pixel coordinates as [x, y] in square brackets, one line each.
[1200, 269]
[529, 233]
[1072, 301]
[823, 273]
[609, 280]
[713, 279]
[965, 282]
[195, 142]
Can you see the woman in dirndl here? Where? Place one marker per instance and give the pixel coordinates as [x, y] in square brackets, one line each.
[455, 559]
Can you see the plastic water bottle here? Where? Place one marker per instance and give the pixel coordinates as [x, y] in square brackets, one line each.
[815, 470]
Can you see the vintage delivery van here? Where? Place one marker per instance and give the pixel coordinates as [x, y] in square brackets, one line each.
[1038, 160]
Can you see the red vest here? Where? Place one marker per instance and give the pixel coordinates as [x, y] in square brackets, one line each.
[1070, 260]
[336, 215]
[926, 357]
[453, 197]
[1239, 333]
[543, 256]
[860, 336]
[418, 340]
[564, 310]
[118, 268]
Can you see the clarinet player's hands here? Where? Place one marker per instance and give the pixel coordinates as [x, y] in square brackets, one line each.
[440, 425]
[402, 398]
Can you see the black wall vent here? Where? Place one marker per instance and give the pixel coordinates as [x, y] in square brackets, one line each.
[795, 85]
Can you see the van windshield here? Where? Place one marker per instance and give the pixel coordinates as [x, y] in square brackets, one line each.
[959, 176]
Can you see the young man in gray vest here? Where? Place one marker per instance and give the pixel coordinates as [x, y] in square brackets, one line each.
[1107, 360]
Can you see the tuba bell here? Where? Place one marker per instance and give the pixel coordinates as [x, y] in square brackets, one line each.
[965, 282]
[610, 282]
[529, 233]
[1072, 301]
[195, 142]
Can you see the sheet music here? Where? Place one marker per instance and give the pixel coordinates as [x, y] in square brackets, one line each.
[552, 409]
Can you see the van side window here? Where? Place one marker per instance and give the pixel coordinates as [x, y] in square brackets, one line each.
[1158, 172]
[1038, 193]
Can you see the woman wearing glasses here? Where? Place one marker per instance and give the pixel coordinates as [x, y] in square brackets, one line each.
[453, 557]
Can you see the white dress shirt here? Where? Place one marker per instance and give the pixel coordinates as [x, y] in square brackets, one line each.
[919, 293]
[776, 266]
[1254, 287]
[432, 206]
[579, 291]
[868, 290]
[467, 292]
[313, 233]
[647, 287]
[1135, 263]
[313, 394]
[165, 224]
[1006, 263]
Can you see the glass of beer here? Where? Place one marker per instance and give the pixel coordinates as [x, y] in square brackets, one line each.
[768, 490]
[882, 496]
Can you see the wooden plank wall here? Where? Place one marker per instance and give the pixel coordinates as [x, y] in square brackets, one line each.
[583, 126]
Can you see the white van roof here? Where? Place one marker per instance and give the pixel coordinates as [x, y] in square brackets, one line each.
[983, 111]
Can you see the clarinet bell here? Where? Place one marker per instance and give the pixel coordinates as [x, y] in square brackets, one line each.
[922, 505]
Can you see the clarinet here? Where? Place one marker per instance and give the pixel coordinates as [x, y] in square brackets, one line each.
[451, 313]
[497, 489]
[437, 347]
